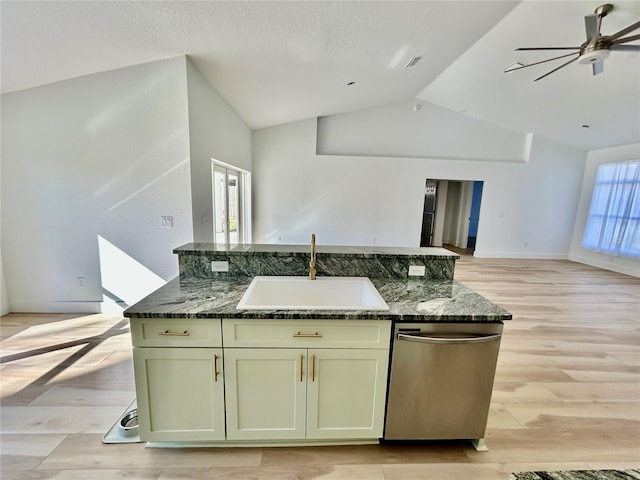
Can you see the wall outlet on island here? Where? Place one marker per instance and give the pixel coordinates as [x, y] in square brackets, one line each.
[219, 266]
[416, 270]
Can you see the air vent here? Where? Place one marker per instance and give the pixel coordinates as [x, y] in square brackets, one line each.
[412, 62]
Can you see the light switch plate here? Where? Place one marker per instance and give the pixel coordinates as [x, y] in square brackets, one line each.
[219, 266]
[416, 270]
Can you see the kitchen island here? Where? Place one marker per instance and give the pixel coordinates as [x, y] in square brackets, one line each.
[208, 373]
[200, 292]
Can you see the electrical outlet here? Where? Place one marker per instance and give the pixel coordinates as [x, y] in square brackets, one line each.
[416, 270]
[166, 221]
[219, 266]
[81, 282]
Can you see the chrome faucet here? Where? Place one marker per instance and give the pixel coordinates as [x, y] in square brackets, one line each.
[312, 263]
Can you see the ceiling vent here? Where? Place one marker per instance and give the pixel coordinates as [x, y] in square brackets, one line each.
[412, 62]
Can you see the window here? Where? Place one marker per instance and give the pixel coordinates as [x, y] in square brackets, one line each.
[613, 226]
[231, 204]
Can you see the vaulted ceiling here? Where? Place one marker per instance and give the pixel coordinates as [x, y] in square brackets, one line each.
[279, 61]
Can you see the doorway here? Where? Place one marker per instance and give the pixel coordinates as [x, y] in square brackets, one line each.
[451, 214]
[231, 192]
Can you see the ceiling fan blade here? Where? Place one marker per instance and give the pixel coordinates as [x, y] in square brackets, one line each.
[592, 25]
[628, 48]
[546, 48]
[624, 31]
[556, 69]
[625, 39]
[542, 61]
[597, 67]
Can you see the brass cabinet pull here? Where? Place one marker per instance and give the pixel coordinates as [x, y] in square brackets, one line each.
[301, 363]
[215, 368]
[313, 368]
[307, 335]
[175, 334]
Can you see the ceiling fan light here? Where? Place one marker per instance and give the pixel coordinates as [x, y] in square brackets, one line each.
[593, 56]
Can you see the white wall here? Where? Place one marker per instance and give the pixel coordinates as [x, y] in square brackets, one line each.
[579, 254]
[101, 156]
[441, 212]
[359, 200]
[450, 226]
[215, 131]
[457, 220]
[398, 130]
[5, 305]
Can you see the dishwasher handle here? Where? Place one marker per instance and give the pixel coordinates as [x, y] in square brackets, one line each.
[448, 338]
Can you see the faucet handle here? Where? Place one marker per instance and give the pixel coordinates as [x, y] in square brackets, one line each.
[312, 263]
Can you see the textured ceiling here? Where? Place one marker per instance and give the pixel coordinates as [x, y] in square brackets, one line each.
[276, 62]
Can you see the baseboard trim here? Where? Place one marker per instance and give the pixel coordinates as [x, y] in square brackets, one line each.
[522, 255]
[606, 264]
[34, 306]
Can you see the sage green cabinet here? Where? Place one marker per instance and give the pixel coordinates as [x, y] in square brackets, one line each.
[178, 366]
[260, 380]
[309, 393]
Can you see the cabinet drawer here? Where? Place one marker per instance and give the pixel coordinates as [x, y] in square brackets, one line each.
[164, 332]
[307, 333]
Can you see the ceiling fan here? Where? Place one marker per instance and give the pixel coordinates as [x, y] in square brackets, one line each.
[595, 50]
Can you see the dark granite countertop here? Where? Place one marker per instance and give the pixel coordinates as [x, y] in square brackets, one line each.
[408, 300]
[631, 474]
[267, 249]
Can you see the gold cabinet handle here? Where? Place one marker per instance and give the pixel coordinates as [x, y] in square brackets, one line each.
[307, 335]
[175, 334]
[313, 368]
[301, 364]
[215, 368]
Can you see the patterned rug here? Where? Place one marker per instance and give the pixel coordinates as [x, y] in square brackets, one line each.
[633, 474]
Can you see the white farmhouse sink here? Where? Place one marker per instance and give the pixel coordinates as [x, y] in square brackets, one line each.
[300, 293]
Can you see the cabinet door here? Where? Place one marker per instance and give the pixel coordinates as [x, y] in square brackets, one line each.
[346, 393]
[265, 393]
[180, 393]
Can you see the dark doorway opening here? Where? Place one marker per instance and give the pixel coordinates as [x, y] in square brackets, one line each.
[450, 215]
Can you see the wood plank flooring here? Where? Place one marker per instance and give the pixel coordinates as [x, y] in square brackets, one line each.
[566, 396]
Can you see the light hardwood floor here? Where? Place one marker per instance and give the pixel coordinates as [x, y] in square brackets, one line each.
[566, 396]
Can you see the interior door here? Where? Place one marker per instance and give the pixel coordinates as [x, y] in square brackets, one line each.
[474, 216]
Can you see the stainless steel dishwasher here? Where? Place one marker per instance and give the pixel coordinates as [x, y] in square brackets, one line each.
[441, 381]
